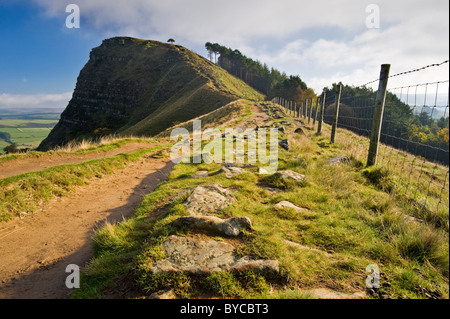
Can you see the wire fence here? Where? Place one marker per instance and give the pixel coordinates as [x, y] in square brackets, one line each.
[413, 139]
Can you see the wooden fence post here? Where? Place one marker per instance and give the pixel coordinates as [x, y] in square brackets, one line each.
[378, 115]
[322, 108]
[336, 112]
[316, 111]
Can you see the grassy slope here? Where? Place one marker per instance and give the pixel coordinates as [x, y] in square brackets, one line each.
[352, 223]
[172, 85]
[209, 90]
[25, 192]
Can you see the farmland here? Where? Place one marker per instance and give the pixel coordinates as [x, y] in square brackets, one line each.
[26, 130]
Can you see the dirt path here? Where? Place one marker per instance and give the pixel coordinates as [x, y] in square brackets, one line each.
[33, 164]
[35, 251]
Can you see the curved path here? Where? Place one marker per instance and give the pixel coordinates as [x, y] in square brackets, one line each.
[34, 164]
[35, 251]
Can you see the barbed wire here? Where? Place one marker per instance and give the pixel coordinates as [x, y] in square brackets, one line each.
[408, 72]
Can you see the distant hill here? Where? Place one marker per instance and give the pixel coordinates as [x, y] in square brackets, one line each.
[141, 87]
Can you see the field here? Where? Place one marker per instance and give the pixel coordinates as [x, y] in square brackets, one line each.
[27, 130]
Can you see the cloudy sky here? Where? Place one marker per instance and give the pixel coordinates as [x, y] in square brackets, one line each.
[322, 41]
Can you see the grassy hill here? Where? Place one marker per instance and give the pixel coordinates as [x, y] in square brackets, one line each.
[140, 87]
[348, 222]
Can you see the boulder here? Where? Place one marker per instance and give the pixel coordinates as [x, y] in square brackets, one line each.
[163, 294]
[204, 256]
[231, 171]
[299, 130]
[207, 199]
[286, 204]
[284, 144]
[229, 227]
[288, 174]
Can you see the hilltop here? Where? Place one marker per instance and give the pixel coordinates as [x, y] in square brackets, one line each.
[141, 87]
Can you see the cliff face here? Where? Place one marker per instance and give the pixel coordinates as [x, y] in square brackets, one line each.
[138, 87]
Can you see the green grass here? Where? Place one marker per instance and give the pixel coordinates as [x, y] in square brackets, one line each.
[22, 193]
[25, 137]
[352, 222]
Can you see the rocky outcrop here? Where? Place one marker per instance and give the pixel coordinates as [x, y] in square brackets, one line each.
[231, 171]
[215, 225]
[140, 87]
[204, 256]
[285, 204]
[291, 175]
[207, 199]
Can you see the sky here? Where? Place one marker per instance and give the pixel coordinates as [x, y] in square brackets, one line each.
[322, 41]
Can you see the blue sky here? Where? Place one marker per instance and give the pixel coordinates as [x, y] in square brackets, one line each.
[323, 41]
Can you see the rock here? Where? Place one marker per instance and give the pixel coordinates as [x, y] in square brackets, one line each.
[204, 256]
[339, 160]
[286, 204]
[163, 294]
[207, 199]
[280, 129]
[299, 130]
[288, 174]
[229, 227]
[231, 171]
[324, 293]
[284, 144]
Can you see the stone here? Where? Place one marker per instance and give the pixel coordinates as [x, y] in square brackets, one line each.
[288, 174]
[280, 129]
[204, 256]
[207, 199]
[231, 171]
[163, 294]
[299, 130]
[324, 293]
[284, 144]
[339, 160]
[229, 227]
[286, 204]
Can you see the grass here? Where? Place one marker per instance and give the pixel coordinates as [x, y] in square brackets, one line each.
[200, 87]
[23, 193]
[104, 144]
[25, 137]
[352, 222]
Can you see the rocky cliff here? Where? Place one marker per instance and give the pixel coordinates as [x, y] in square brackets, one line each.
[140, 87]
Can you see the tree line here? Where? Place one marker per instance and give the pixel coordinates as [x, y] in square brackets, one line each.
[268, 81]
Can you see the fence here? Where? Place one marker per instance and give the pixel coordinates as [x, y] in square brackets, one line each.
[403, 129]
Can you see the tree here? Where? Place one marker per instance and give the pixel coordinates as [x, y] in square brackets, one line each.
[171, 41]
[10, 149]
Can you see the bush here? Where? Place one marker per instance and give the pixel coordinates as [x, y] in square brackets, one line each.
[10, 149]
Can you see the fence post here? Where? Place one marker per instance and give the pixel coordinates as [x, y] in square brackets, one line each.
[336, 112]
[322, 107]
[315, 111]
[378, 115]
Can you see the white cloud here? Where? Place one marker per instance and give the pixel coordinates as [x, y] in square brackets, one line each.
[323, 40]
[12, 101]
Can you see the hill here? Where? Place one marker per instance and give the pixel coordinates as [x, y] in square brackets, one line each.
[141, 87]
